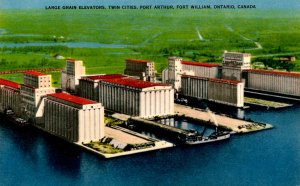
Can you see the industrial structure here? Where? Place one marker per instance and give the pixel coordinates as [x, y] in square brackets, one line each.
[10, 96]
[74, 118]
[143, 69]
[136, 97]
[233, 64]
[71, 75]
[177, 67]
[89, 85]
[222, 91]
[36, 86]
[273, 81]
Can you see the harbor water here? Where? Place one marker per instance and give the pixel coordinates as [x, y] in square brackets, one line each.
[270, 157]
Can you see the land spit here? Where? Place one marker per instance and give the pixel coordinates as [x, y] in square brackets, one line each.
[234, 124]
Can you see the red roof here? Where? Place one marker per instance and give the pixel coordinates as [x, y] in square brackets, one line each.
[137, 60]
[224, 81]
[72, 99]
[34, 73]
[199, 64]
[133, 82]
[274, 72]
[9, 83]
[71, 60]
[106, 76]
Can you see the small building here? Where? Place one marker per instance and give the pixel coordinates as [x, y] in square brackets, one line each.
[273, 81]
[36, 85]
[143, 69]
[74, 118]
[10, 98]
[89, 85]
[222, 91]
[71, 75]
[136, 97]
[178, 67]
[233, 65]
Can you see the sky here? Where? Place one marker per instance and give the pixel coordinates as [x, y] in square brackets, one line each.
[23, 4]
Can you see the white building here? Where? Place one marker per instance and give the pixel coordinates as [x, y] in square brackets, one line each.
[143, 69]
[222, 91]
[177, 67]
[36, 85]
[136, 97]
[233, 65]
[89, 85]
[71, 75]
[74, 118]
[274, 81]
[10, 96]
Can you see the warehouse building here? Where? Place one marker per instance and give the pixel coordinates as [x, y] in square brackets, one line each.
[10, 96]
[36, 85]
[71, 75]
[136, 97]
[89, 85]
[74, 118]
[143, 69]
[233, 64]
[177, 67]
[273, 81]
[222, 91]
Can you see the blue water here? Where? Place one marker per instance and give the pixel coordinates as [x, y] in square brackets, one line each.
[271, 157]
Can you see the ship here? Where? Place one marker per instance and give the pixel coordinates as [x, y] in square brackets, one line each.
[192, 137]
[10, 116]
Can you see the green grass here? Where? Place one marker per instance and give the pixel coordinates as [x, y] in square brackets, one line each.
[103, 147]
[265, 102]
[150, 34]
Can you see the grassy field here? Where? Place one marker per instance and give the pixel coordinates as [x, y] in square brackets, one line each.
[147, 34]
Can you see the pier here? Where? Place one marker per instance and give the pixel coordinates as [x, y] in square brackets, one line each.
[234, 124]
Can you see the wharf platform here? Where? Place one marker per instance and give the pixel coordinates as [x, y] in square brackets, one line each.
[273, 95]
[234, 124]
[265, 103]
[122, 135]
[129, 137]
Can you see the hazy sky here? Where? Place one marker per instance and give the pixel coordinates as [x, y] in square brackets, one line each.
[7, 4]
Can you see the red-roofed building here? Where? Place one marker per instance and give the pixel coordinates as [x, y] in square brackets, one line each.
[34, 73]
[143, 69]
[178, 67]
[133, 83]
[36, 86]
[8, 83]
[72, 99]
[222, 91]
[36, 79]
[273, 81]
[74, 118]
[193, 63]
[136, 98]
[89, 85]
[10, 96]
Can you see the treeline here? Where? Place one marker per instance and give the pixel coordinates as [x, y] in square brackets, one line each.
[36, 49]
[33, 63]
[270, 62]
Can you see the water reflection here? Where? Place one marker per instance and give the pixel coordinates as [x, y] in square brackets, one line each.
[61, 156]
